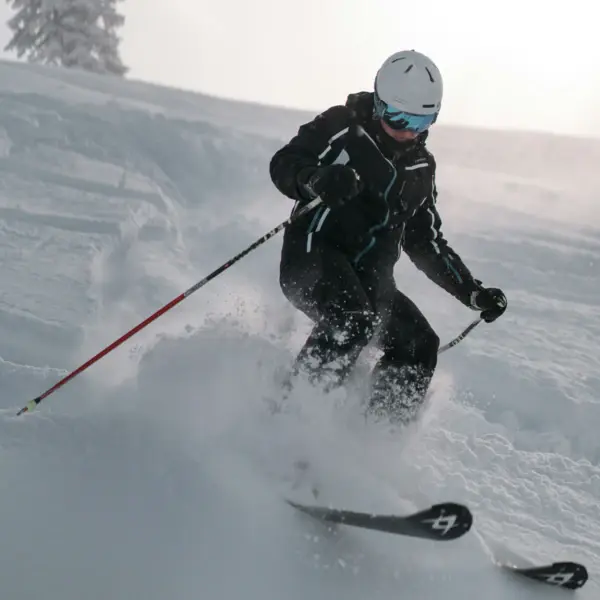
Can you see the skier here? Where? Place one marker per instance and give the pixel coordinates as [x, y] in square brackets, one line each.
[368, 162]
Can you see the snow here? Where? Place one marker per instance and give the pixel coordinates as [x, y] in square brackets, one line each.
[160, 472]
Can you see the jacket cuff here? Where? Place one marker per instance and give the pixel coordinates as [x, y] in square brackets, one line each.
[469, 292]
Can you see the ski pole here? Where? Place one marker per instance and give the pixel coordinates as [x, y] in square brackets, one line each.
[302, 211]
[460, 337]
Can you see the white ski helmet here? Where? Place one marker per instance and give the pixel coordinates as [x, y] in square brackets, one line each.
[409, 82]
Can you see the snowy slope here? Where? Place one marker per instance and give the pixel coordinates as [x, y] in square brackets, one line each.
[159, 472]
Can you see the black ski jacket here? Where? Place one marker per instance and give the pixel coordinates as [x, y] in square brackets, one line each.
[396, 209]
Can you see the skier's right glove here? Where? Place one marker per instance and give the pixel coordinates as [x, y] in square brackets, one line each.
[335, 184]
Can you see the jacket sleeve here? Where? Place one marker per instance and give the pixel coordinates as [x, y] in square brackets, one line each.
[318, 141]
[426, 247]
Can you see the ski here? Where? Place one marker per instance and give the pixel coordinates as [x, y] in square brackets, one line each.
[440, 522]
[568, 575]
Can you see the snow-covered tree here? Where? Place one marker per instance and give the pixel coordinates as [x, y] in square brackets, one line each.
[70, 33]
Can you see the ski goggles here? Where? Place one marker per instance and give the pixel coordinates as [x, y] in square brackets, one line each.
[400, 120]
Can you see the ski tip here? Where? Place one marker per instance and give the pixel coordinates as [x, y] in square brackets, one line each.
[442, 522]
[567, 575]
[447, 520]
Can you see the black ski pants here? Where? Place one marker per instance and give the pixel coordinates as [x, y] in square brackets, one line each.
[351, 307]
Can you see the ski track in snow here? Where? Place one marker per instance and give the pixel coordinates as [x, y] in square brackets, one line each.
[159, 472]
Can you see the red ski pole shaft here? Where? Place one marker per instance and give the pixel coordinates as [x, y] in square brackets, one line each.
[302, 211]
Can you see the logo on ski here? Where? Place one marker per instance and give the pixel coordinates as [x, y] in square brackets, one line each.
[560, 579]
[443, 523]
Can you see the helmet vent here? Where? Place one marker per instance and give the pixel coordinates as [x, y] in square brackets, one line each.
[409, 68]
[400, 58]
[430, 75]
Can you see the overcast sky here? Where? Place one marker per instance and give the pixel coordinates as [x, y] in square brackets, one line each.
[528, 64]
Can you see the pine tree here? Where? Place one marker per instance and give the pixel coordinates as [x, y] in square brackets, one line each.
[69, 33]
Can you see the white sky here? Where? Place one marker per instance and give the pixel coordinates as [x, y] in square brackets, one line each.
[532, 64]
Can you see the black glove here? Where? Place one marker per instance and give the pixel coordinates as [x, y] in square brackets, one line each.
[490, 301]
[334, 184]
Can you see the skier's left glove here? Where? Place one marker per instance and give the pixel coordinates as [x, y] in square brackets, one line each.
[490, 301]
